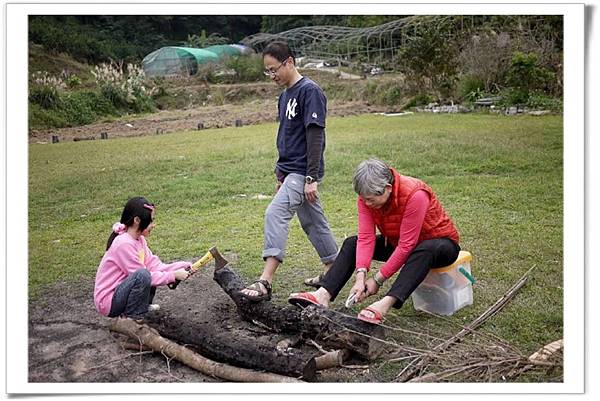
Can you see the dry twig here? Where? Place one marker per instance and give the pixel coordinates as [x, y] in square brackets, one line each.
[418, 364]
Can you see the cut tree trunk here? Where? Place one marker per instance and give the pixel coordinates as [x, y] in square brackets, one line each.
[331, 359]
[238, 350]
[326, 326]
[151, 338]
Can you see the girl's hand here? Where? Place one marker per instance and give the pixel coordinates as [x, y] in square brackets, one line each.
[181, 274]
[372, 287]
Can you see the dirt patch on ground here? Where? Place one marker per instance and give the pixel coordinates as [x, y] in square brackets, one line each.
[70, 342]
[254, 112]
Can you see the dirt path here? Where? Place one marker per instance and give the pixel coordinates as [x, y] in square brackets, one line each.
[70, 342]
[255, 112]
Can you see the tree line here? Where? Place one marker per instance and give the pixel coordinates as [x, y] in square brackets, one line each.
[100, 38]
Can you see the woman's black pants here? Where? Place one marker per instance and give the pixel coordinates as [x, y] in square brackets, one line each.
[432, 253]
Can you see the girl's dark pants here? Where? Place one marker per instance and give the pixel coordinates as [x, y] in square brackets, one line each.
[133, 295]
[433, 253]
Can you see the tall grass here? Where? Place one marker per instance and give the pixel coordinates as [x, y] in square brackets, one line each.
[499, 178]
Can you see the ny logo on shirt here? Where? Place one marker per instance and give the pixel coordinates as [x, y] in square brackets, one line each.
[290, 110]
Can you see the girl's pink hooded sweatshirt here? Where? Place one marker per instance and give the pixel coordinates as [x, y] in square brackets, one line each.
[126, 255]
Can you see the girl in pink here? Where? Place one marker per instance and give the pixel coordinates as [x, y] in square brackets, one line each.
[129, 273]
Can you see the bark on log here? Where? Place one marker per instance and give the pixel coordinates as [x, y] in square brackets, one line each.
[326, 326]
[154, 340]
[246, 352]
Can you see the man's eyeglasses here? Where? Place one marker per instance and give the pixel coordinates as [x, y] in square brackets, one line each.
[272, 71]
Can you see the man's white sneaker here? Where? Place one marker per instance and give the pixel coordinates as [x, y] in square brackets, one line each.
[153, 307]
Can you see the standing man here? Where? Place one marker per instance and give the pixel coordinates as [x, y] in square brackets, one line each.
[300, 167]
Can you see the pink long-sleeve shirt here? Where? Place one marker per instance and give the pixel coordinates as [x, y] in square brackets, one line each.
[126, 255]
[410, 228]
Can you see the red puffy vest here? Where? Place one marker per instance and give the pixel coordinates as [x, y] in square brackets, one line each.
[437, 224]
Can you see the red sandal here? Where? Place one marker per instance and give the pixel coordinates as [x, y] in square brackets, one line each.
[303, 299]
[370, 315]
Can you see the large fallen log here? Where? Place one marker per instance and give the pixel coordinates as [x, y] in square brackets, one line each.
[338, 330]
[151, 338]
[237, 350]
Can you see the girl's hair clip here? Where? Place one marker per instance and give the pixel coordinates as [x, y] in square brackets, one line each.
[119, 228]
[149, 207]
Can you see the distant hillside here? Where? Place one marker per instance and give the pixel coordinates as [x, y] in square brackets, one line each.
[56, 63]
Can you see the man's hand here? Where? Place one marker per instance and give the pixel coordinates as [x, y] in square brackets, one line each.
[310, 192]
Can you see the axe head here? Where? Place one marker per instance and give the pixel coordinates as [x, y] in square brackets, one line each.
[220, 261]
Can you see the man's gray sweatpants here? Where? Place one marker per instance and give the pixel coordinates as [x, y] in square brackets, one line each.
[288, 201]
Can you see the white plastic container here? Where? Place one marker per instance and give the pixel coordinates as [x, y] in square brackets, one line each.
[447, 289]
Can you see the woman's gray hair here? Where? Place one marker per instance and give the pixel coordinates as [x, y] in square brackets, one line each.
[371, 176]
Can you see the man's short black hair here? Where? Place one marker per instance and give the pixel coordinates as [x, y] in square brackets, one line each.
[279, 50]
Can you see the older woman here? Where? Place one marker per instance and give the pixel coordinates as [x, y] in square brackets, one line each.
[416, 234]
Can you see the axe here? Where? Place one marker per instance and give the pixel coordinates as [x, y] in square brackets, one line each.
[213, 253]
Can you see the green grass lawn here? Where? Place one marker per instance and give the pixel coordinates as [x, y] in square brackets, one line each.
[500, 178]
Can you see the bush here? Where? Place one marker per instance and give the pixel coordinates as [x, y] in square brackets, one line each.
[341, 91]
[486, 57]
[471, 88]
[217, 97]
[207, 73]
[389, 93]
[79, 110]
[513, 96]
[526, 78]
[41, 118]
[73, 81]
[76, 108]
[542, 101]
[45, 89]
[393, 95]
[124, 90]
[46, 97]
[86, 106]
[247, 68]
[526, 75]
[429, 59]
[159, 85]
[421, 99]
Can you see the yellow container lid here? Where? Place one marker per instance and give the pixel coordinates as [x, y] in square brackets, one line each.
[463, 257]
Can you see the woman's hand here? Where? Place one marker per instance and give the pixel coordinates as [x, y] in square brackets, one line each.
[372, 287]
[181, 274]
[359, 287]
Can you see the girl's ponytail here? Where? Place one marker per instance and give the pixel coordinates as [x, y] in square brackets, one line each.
[117, 229]
[111, 238]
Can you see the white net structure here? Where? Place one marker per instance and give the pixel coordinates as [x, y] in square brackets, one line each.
[385, 42]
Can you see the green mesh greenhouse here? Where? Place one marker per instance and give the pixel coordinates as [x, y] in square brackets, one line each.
[186, 60]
